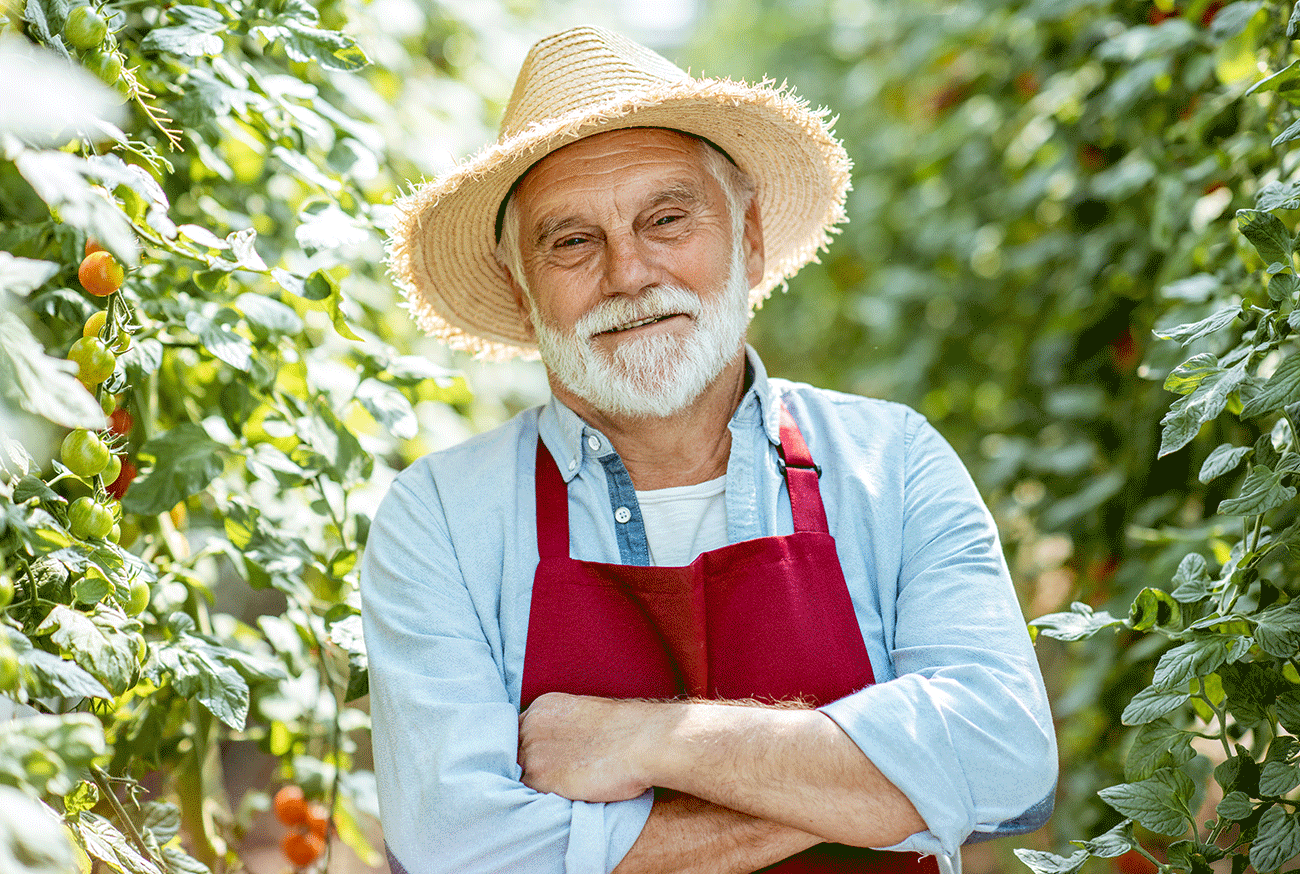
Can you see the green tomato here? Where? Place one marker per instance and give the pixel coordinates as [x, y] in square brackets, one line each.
[6, 591]
[94, 360]
[85, 28]
[139, 599]
[88, 519]
[9, 674]
[85, 454]
[112, 471]
[107, 66]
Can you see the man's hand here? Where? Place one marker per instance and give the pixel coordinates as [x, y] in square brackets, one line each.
[790, 766]
[584, 748]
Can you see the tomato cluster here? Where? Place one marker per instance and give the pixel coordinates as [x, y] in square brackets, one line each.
[308, 824]
[86, 30]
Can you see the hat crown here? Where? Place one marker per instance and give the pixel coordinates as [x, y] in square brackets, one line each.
[576, 69]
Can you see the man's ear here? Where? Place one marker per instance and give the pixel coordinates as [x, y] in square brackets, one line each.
[753, 243]
[521, 304]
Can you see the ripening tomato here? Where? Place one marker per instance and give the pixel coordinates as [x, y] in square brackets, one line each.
[302, 848]
[94, 360]
[120, 422]
[112, 470]
[318, 820]
[6, 591]
[139, 600]
[290, 805]
[100, 274]
[106, 66]
[92, 245]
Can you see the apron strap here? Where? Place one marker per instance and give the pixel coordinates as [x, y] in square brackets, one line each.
[801, 476]
[552, 496]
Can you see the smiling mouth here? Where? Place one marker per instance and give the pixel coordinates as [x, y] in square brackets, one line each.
[640, 323]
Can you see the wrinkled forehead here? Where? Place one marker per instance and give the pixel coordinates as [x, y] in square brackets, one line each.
[601, 159]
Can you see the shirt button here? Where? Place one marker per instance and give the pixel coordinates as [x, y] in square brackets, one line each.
[593, 442]
[573, 464]
[622, 514]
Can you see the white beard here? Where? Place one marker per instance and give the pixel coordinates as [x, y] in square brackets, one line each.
[657, 375]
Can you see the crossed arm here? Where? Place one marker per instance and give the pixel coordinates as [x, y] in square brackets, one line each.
[750, 785]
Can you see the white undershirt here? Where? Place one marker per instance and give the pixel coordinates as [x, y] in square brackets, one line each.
[683, 521]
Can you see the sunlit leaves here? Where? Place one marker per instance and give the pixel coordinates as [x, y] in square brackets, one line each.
[1080, 622]
[185, 460]
[1278, 839]
[1160, 802]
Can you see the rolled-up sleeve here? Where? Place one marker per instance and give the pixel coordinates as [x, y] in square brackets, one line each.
[445, 730]
[963, 728]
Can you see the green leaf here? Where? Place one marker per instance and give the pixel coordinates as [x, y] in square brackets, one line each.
[22, 276]
[1154, 607]
[346, 634]
[1278, 195]
[1274, 82]
[197, 669]
[1250, 688]
[1277, 630]
[162, 819]
[1192, 331]
[1223, 459]
[104, 842]
[1198, 657]
[1157, 745]
[329, 48]
[390, 408]
[185, 461]
[1159, 802]
[1282, 388]
[1233, 18]
[32, 832]
[1262, 491]
[268, 314]
[1192, 581]
[84, 796]
[1235, 806]
[197, 36]
[1267, 234]
[67, 184]
[1205, 402]
[1049, 863]
[1116, 842]
[1283, 286]
[1277, 841]
[1278, 778]
[180, 862]
[1152, 703]
[1288, 711]
[104, 642]
[1184, 378]
[49, 752]
[45, 675]
[218, 337]
[142, 359]
[43, 385]
[1079, 623]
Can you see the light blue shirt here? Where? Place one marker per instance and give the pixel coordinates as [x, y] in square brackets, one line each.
[958, 718]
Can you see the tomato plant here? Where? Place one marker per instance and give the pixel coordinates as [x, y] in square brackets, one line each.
[250, 380]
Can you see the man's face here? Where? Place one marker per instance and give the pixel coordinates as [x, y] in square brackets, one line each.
[638, 292]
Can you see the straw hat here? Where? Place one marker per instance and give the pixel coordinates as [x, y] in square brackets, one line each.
[577, 83]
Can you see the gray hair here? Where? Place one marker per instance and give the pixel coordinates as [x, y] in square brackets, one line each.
[738, 186]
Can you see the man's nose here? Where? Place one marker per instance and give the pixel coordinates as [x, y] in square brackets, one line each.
[629, 267]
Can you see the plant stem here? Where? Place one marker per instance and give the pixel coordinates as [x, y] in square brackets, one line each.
[106, 789]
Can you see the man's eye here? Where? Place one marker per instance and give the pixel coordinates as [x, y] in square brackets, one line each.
[667, 219]
[569, 242]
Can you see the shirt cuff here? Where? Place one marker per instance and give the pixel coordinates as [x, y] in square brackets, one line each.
[600, 834]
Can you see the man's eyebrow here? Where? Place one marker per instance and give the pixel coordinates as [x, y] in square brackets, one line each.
[548, 227]
[682, 193]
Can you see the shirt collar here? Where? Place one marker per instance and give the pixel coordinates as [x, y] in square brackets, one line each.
[571, 440]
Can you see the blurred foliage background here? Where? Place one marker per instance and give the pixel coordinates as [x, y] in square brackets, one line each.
[1041, 188]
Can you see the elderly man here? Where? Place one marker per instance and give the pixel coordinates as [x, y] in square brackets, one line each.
[683, 617]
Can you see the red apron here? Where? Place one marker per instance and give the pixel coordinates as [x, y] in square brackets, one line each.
[769, 619]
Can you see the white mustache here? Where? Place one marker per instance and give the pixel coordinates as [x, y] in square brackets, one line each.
[621, 312]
